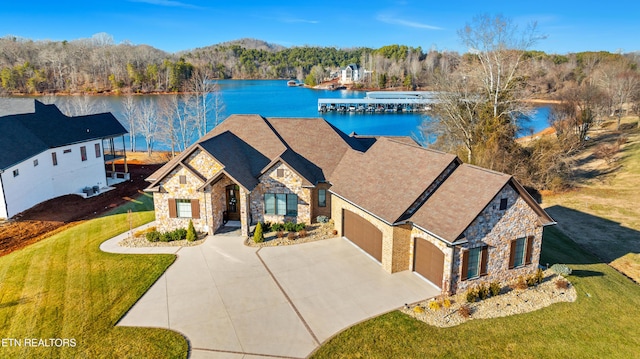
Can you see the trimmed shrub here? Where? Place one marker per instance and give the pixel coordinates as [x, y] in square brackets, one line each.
[179, 234]
[280, 234]
[483, 291]
[300, 226]
[166, 237]
[495, 288]
[153, 236]
[258, 237]
[144, 231]
[191, 232]
[291, 236]
[561, 269]
[465, 311]
[322, 219]
[335, 232]
[302, 233]
[277, 227]
[471, 295]
[434, 305]
[418, 309]
[266, 227]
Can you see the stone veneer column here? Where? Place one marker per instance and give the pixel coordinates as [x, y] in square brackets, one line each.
[245, 218]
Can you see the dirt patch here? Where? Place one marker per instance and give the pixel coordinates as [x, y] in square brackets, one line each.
[52, 216]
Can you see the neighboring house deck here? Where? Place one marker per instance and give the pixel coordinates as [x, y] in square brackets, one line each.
[45, 154]
[408, 207]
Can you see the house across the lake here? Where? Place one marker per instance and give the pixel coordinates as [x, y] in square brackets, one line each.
[45, 154]
[406, 206]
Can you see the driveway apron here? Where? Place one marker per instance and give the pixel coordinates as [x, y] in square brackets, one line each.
[234, 301]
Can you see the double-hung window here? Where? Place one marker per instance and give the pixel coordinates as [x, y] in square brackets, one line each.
[474, 262]
[83, 153]
[281, 204]
[521, 251]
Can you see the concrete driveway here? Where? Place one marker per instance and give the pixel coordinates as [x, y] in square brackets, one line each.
[233, 301]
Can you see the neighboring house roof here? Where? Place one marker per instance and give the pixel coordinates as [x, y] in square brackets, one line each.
[23, 136]
[388, 178]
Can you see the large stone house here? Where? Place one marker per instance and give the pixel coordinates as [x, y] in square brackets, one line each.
[45, 154]
[408, 207]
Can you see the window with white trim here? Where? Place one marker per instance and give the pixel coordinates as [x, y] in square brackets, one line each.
[183, 208]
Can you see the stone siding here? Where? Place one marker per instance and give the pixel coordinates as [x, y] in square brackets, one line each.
[172, 189]
[218, 201]
[444, 247]
[497, 228]
[203, 164]
[289, 183]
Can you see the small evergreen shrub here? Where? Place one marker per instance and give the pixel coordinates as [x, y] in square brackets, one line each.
[302, 233]
[178, 234]
[166, 237]
[561, 269]
[562, 284]
[153, 236]
[266, 227]
[291, 236]
[495, 288]
[471, 295]
[483, 291]
[434, 305]
[322, 219]
[465, 311]
[300, 226]
[277, 227]
[191, 232]
[258, 236]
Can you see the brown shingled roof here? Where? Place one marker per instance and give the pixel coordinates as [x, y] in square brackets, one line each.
[388, 178]
[459, 200]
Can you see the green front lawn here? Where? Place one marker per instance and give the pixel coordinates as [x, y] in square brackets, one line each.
[602, 323]
[65, 287]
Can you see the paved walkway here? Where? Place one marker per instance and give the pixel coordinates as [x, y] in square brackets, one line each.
[234, 301]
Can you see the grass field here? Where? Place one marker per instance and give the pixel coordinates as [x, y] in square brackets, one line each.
[602, 323]
[64, 287]
[603, 213]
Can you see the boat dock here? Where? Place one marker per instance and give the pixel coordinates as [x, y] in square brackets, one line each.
[380, 102]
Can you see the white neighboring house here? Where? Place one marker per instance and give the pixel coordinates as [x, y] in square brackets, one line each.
[46, 154]
[350, 74]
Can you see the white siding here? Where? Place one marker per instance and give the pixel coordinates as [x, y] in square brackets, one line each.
[36, 184]
[3, 206]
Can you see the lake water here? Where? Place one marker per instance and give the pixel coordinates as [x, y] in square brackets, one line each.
[272, 98]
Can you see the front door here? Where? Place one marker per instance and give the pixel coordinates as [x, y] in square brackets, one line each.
[233, 207]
